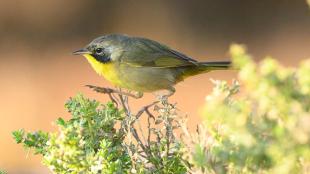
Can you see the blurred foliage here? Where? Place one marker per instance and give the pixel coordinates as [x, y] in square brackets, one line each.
[264, 129]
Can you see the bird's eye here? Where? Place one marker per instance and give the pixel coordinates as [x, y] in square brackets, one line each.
[99, 50]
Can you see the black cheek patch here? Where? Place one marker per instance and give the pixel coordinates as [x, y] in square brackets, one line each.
[101, 58]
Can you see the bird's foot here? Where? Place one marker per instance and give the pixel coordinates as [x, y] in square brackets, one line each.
[101, 89]
[164, 98]
[104, 90]
[138, 94]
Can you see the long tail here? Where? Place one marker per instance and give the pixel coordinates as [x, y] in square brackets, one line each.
[204, 67]
[219, 65]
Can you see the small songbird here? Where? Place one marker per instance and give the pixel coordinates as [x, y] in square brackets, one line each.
[141, 64]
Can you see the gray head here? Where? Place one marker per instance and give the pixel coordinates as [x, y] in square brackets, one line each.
[103, 47]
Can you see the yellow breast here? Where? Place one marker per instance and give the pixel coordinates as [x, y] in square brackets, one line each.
[107, 70]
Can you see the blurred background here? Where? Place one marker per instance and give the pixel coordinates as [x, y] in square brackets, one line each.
[38, 73]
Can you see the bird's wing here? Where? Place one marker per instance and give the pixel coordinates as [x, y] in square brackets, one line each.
[143, 52]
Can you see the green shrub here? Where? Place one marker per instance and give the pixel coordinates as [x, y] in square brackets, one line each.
[87, 143]
[103, 139]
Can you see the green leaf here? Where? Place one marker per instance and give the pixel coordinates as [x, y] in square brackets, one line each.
[18, 135]
[61, 122]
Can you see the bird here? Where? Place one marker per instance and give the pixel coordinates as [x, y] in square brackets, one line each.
[143, 65]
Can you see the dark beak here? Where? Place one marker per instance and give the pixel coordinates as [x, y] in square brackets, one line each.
[81, 52]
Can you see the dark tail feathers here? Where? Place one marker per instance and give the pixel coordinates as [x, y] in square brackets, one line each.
[219, 65]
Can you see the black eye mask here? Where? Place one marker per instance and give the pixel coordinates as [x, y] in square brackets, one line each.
[101, 58]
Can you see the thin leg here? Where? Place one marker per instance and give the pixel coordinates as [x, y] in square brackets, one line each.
[164, 98]
[171, 92]
[110, 91]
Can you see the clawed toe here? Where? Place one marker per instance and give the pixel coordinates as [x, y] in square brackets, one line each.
[110, 91]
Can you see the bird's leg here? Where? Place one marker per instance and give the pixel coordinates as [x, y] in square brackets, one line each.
[138, 94]
[171, 92]
[164, 98]
[110, 91]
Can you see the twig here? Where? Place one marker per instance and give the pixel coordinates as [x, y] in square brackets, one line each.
[148, 128]
[113, 99]
[135, 135]
[116, 98]
[141, 131]
[145, 109]
[124, 103]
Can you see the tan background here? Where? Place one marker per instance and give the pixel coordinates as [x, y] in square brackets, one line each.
[38, 73]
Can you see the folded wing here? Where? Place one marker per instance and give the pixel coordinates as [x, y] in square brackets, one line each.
[141, 52]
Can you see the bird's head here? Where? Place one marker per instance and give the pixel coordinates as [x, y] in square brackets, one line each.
[104, 48]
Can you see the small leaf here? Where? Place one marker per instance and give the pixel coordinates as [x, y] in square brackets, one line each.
[18, 135]
[60, 121]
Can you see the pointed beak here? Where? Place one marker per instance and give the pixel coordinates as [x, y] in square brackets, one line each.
[81, 52]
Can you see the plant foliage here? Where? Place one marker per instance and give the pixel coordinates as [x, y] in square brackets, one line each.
[103, 139]
[264, 129]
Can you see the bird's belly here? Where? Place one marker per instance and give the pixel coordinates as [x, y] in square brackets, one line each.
[146, 79]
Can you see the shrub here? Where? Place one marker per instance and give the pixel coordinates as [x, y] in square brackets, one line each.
[103, 139]
[264, 129]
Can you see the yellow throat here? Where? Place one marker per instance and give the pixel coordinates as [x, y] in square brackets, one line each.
[107, 70]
